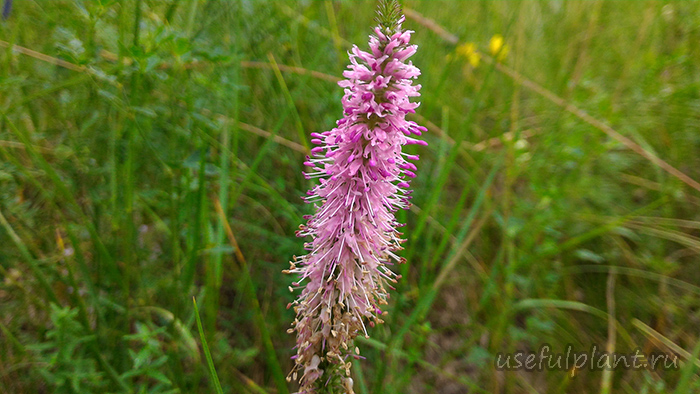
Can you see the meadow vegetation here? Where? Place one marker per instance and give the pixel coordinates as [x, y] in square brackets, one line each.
[151, 151]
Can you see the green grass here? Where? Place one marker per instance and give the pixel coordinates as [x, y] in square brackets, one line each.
[151, 151]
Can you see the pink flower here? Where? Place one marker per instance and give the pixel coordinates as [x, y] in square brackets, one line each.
[354, 238]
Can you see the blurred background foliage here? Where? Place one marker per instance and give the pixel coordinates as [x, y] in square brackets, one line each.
[151, 151]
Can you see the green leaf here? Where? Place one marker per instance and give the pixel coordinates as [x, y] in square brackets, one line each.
[210, 363]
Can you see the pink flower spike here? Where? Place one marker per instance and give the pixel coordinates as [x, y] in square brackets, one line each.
[354, 237]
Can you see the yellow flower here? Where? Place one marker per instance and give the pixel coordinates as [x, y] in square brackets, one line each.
[468, 51]
[498, 48]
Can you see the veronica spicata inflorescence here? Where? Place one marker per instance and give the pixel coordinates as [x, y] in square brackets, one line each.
[354, 236]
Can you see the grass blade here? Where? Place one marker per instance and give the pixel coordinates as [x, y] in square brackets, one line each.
[210, 363]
